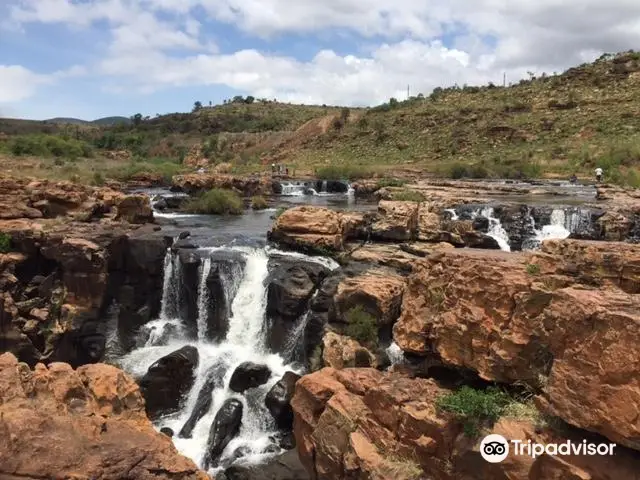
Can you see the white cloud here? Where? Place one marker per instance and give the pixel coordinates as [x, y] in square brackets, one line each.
[18, 83]
[485, 38]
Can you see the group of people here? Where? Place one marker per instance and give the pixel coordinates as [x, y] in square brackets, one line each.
[278, 169]
[599, 174]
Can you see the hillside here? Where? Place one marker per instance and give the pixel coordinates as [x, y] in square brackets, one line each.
[551, 125]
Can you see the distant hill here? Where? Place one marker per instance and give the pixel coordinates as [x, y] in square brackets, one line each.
[106, 121]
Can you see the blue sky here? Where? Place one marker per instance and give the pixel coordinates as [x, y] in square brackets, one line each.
[95, 58]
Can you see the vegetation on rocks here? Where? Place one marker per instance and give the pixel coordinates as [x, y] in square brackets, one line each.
[362, 326]
[408, 196]
[5, 243]
[216, 201]
[259, 203]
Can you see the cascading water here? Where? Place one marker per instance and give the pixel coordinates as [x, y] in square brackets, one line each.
[246, 340]
[556, 228]
[496, 231]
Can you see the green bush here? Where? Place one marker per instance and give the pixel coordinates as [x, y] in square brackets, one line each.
[216, 201]
[457, 171]
[475, 408]
[362, 326]
[259, 203]
[49, 146]
[343, 172]
[408, 196]
[391, 182]
[5, 243]
[533, 269]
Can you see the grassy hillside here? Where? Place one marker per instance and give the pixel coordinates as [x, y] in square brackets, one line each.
[552, 125]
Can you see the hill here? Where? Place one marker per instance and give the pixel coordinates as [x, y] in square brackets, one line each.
[549, 125]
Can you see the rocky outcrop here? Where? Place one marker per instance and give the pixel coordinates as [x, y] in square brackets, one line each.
[283, 467]
[361, 423]
[60, 423]
[168, 380]
[246, 186]
[378, 292]
[340, 351]
[278, 400]
[309, 227]
[497, 315]
[396, 221]
[224, 428]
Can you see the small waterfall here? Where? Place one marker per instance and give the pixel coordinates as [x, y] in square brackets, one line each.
[454, 215]
[395, 354]
[496, 231]
[324, 187]
[557, 227]
[246, 325]
[293, 345]
[169, 305]
[203, 299]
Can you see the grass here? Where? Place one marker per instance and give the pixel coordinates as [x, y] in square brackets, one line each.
[475, 408]
[392, 182]
[403, 468]
[259, 203]
[344, 172]
[362, 326]
[5, 243]
[408, 196]
[217, 201]
[533, 269]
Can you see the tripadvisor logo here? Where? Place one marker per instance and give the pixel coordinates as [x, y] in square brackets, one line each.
[495, 448]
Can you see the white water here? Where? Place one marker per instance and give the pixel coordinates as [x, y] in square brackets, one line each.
[556, 228]
[454, 215]
[395, 354]
[203, 299]
[496, 231]
[246, 291]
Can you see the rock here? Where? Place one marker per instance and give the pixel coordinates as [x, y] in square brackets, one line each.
[96, 417]
[397, 221]
[167, 431]
[184, 235]
[279, 398]
[615, 226]
[224, 428]
[135, 209]
[291, 285]
[492, 315]
[377, 291]
[168, 380]
[309, 227]
[283, 467]
[247, 186]
[249, 375]
[394, 256]
[344, 352]
[481, 224]
[480, 240]
[214, 380]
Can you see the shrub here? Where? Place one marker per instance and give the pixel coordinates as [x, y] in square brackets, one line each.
[533, 269]
[391, 182]
[216, 201]
[362, 326]
[98, 179]
[475, 408]
[259, 203]
[49, 146]
[457, 171]
[408, 196]
[280, 211]
[5, 242]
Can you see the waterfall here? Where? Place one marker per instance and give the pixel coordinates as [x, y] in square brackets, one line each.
[557, 227]
[496, 231]
[169, 305]
[454, 215]
[395, 354]
[245, 289]
[249, 305]
[203, 299]
[324, 187]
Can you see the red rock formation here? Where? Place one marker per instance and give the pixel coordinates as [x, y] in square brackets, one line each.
[83, 424]
[495, 314]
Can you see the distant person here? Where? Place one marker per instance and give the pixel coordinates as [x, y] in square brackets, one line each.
[598, 174]
[287, 171]
[273, 169]
[201, 170]
[573, 179]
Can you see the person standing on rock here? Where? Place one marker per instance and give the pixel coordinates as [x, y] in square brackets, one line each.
[598, 174]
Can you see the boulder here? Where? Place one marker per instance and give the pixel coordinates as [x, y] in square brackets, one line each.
[249, 375]
[282, 467]
[135, 209]
[168, 380]
[95, 423]
[498, 316]
[378, 292]
[291, 284]
[214, 380]
[247, 186]
[224, 428]
[339, 351]
[396, 221]
[278, 400]
[309, 227]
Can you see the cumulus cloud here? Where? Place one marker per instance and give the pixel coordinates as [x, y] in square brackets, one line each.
[162, 43]
[17, 83]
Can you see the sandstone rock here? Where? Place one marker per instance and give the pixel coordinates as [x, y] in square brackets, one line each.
[397, 221]
[378, 292]
[94, 422]
[491, 315]
[247, 186]
[344, 352]
[135, 209]
[306, 226]
[615, 226]
[278, 400]
[400, 257]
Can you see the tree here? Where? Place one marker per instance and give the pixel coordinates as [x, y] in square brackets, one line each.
[137, 119]
[393, 102]
[249, 99]
[197, 106]
[238, 99]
